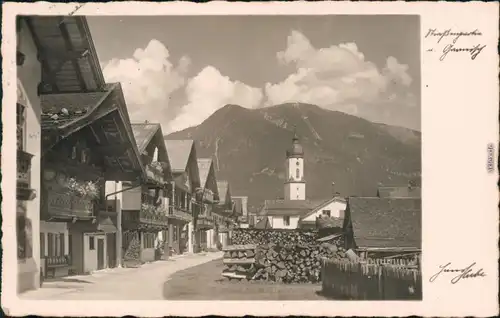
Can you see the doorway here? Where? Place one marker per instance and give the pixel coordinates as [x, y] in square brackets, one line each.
[111, 248]
[100, 254]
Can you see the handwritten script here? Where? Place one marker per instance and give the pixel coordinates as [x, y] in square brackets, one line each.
[458, 274]
[451, 38]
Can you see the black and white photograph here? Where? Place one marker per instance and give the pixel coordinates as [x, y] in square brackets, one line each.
[223, 157]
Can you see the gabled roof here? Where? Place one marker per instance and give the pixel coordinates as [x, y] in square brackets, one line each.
[62, 110]
[67, 53]
[263, 224]
[223, 188]
[323, 204]
[288, 207]
[204, 165]
[386, 222]
[205, 170]
[179, 152]
[143, 133]
[399, 192]
[238, 205]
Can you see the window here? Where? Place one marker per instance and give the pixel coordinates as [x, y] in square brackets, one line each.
[327, 213]
[286, 220]
[73, 152]
[148, 240]
[91, 243]
[42, 245]
[297, 173]
[20, 120]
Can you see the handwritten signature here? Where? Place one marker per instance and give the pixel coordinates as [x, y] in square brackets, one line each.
[464, 273]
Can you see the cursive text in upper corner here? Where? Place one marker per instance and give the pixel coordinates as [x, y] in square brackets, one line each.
[450, 43]
[458, 274]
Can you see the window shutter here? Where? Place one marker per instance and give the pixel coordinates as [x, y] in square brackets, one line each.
[61, 238]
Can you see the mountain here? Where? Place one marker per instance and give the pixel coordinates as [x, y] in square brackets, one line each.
[248, 147]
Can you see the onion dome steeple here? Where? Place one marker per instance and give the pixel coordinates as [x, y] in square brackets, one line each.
[296, 150]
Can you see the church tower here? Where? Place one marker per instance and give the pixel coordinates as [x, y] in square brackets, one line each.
[295, 184]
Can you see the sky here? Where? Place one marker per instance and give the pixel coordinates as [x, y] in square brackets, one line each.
[178, 70]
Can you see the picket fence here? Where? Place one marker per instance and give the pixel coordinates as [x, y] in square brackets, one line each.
[343, 279]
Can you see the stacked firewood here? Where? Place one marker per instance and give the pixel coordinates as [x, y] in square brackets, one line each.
[259, 237]
[239, 261]
[294, 263]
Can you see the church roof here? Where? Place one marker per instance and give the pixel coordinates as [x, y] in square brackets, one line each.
[296, 149]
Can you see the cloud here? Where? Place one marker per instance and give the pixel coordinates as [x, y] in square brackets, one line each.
[336, 77]
[148, 79]
[208, 91]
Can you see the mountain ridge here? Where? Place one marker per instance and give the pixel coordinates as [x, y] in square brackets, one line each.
[248, 147]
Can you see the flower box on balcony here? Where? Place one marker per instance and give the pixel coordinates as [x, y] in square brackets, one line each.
[24, 190]
[69, 206]
[154, 171]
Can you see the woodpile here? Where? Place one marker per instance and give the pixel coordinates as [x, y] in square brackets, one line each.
[282, 256]
[260, 237]
[294, 263]
[239, 261]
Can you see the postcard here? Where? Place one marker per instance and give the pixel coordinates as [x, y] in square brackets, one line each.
[264, 159]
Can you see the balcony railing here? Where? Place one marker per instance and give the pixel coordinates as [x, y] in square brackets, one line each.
[177, 213]
[154, 171]
[158, 218]
[24, 190]
[66, 205]
[148, 217]
[205, 222]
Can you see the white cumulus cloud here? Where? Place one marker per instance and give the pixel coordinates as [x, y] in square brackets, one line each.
[208, 91]
[336, 77]
[148, 79]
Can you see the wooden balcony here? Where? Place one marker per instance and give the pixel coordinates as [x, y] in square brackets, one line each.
[179, 214]
[205, 222]
[146, 219]
[24, 190]
[63, 206]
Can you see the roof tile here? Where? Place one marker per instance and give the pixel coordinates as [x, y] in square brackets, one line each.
[386, 222]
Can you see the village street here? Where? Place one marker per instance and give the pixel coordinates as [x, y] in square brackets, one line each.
[142, 283]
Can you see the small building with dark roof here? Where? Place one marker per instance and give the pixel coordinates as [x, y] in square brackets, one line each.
[383, 225]
[399, 192]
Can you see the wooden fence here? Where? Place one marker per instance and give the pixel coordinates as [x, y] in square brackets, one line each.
[342, 279]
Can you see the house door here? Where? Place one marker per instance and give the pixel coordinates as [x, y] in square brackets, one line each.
[70, 248]
[100, 253]
[111, 247]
